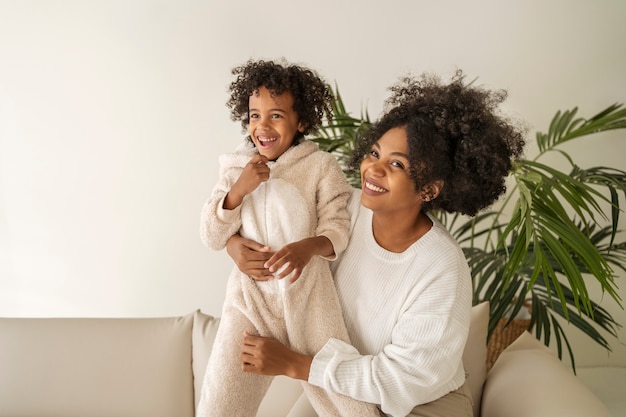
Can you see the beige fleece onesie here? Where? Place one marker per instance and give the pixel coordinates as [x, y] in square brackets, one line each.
[306, 196]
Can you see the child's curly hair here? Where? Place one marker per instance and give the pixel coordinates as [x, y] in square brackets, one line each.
[455, 135]
[312, 97]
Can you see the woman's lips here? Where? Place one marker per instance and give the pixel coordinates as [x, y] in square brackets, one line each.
[372, 186]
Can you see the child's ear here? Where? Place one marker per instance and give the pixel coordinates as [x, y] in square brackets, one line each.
[301, 127]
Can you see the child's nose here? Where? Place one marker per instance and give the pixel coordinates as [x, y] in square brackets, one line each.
[263, 122]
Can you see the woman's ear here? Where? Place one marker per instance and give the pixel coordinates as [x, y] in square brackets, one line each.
[432, 190]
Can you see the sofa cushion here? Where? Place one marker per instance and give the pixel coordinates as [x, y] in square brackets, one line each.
[528, 380]
[203, 336]
[96, 367]
[475, 353]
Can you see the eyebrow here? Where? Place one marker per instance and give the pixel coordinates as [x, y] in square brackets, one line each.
[402, 154]
[269, 110]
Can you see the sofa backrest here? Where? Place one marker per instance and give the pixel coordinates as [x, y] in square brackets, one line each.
[96, 367]
[84, 367]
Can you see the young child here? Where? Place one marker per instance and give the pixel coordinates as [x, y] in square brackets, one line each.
[279, 189]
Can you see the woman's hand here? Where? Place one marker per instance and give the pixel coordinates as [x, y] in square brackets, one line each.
[268, 356]
[250, 256]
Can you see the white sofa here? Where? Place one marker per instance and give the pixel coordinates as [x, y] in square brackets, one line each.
[127, 367]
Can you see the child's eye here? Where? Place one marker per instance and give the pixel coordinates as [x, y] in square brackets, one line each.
[374, 153]
[276, 116]
[397, 164]
[254, 116]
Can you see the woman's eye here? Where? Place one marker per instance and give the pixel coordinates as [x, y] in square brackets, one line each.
[374, 154]
[397, 164]
[276, 116]
[254, 116]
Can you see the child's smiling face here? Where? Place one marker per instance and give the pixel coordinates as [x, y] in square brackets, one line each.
[273, 122]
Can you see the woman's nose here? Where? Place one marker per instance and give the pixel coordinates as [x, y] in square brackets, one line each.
[377, 168]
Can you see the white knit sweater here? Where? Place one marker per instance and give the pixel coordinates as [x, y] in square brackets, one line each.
[407, 316]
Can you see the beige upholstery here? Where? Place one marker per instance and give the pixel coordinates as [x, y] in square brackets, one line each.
[96, 367]
[154, 367]
[203, 335]
[475, 353]
[527, 380]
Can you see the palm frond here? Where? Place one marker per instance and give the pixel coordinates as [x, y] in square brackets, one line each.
[565, 127]
[339, 136]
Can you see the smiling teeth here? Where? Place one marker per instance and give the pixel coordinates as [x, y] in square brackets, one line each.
[374, 188]
[266, 140]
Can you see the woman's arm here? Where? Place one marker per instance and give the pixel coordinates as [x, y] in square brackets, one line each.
[420, 362]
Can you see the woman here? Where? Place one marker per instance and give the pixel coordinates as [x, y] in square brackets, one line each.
[403, 282]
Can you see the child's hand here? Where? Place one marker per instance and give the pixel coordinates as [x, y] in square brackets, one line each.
[295, 256]
[254, 173]
[290, 258]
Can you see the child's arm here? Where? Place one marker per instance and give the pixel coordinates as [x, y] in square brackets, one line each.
[221, 217]
[333, 222]
[333, 216]
[254, 173]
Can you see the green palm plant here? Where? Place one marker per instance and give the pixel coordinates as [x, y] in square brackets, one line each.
[339, 135]
[547, 237]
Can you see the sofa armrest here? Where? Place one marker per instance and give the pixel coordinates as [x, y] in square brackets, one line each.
[528, 380]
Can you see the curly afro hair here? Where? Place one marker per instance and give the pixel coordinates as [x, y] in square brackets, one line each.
[454, 134]
[311, 94]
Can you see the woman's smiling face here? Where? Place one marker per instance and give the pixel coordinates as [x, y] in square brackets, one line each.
[273, 122]
[385, 176]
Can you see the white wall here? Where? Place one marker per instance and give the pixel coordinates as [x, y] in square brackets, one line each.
[112, 115]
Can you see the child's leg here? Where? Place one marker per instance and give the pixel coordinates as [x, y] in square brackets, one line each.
[313, 315]
[227, 391]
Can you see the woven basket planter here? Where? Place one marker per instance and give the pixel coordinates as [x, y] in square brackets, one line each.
[503, 336]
